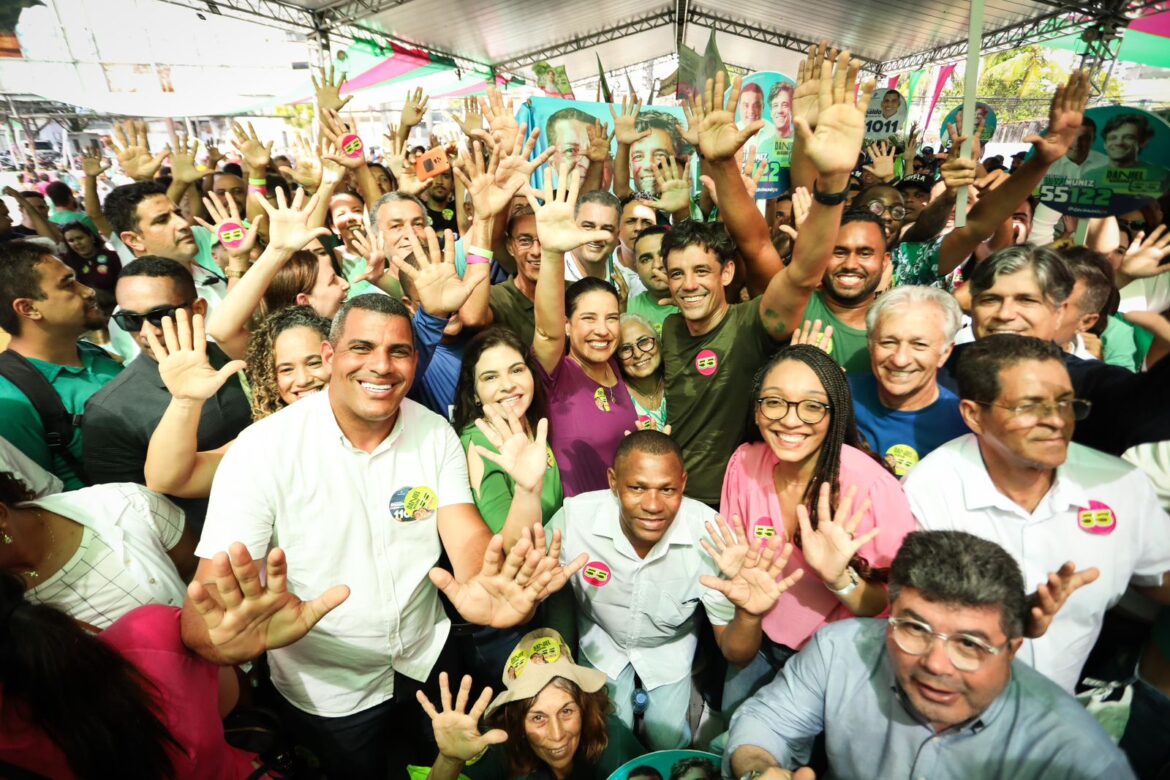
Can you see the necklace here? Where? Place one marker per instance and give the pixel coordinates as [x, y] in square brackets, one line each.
[653, 400]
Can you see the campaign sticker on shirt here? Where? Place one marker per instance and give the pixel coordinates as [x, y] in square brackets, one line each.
[706, 362]
[644, 423]
[601, 400]
[763, 528]
[902, 458]
[352, 145]
[231, 234]
[550, 459]
[596, 573]
[413, 503]
[1098, 519]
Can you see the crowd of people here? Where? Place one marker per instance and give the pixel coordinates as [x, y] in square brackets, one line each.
[455, 475]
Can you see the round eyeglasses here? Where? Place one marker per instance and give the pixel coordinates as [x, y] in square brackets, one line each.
[807, 411]
[967, 652]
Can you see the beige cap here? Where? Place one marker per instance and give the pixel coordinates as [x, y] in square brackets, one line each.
[542, 655]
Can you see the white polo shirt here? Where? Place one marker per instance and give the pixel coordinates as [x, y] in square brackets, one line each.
[1100, 512]
[632, 280]
[345, 517]
[633, 610]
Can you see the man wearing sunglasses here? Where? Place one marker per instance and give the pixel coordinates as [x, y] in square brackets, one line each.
[120, 419]
[1019, 481]
[934, 691]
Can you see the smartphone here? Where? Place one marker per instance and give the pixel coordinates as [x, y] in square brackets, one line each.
[431, 164]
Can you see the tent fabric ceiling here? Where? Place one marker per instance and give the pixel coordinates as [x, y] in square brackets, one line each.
[497, 32]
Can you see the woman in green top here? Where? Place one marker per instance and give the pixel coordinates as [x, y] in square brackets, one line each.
[497, 370]
[641, 363]
[553, 722]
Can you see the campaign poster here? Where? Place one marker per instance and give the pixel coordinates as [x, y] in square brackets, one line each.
[553, 80]
[767, 95]
[983, 113]
[885, 117]
[671, 765]
[1119, 162]
[566, 123]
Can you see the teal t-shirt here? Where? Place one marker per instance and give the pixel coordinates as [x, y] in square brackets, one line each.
[494, 496]
[64, 218]
[646, 305]
[850, 346]
[1119, 345]
[21, 425]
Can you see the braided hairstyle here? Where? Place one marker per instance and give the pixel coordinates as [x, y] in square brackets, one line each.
[261, 357]
[842, 431]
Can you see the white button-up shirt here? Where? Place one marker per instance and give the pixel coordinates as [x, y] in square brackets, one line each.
[344, 516]
[633, 610]
[1100, 512]
[633, 281]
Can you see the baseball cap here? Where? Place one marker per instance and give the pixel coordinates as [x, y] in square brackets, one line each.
[539, 657]
[919, 180]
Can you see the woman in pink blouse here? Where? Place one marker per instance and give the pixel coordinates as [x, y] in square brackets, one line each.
[809, 483]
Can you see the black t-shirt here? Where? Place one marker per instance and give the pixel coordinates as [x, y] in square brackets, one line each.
[443, 220]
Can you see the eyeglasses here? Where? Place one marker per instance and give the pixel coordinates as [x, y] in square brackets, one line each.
[807, 411]
[1032, 413]
[645, 345]
[966, 652]
[526, 242]
[877, 208]
[132, 323]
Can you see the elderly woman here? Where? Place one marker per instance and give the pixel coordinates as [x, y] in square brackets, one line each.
[554, 720]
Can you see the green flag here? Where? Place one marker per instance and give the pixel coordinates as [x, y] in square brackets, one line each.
[606, 95]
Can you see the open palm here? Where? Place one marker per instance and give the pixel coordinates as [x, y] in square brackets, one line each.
[840, 129]
[751, 567]
[457, 728]
[719, 138]
[522, 455]
[182, 361]
[556, 225]
[831, 546]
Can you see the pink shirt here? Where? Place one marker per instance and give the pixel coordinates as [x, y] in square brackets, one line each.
[749, 491]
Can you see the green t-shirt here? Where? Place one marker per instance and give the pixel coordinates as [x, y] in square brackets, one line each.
[850, 346]
[916, 262]
[1119, 345]
[494, 497]
[646, 305]
[64, 218]
[623, 747]
[708, 391]
[513, 310]
[21, 425]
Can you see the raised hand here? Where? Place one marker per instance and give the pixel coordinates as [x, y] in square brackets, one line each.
[813, 335]
[752, 567]
[508, 587]
[517, 165]
[556, 225]
[912, 141]
[1051, 595]
[719, 138]
[471, 123]
[456, 728]
[307, 169]
[252, 617]
[183, 363]
[371, 248]
[693, 112]
[214, 156]
[288, 226]
[833, 146]
[958, 171]
[1146, 256]
[674, 186]
[801, 203]
[751, 177]
[439, 288]
[329, 90]
[523, 455]
[599, 141]
[1065, 116]
[828, 549]
[882, 153]
[93, 163]
[415, 109]
[333, 130]
[480, 181]
[625, 123]
[132, 148]
[256, 153]
[183, 151]
[806, 102]
[501, 118]
[229, 213]
[957, 140]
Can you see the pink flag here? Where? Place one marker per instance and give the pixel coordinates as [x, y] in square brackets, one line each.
[943, 75]
[893, 82]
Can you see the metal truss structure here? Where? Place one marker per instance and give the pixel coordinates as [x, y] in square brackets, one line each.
[647, 21]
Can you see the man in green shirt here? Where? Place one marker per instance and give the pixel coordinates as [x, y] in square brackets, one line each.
[46, 310]
[511, 302]
[648, 263]
[65, 206]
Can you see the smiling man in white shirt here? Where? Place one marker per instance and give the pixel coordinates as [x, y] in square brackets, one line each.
[1020, 482]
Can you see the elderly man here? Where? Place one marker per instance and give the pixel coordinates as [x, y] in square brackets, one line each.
[1018, 481]
[901, 409]
[934, 691]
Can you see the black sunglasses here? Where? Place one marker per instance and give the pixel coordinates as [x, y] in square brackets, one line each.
[132, 323]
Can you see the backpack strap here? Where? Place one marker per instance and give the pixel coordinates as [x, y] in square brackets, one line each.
[59, 424]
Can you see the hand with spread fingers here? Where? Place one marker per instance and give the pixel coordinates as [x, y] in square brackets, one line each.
[333, 132]
[439, 288]
[248, 617]
[753, 568]
[471, 122]
[225, 212]
[830, 547]
[556, 224]
[456, 727]
[882, 153]
[501, 118]
[288, 225]
[833, 146]
[93, 163]
[523, 455]
[1146, 255]
[1053, 594]
[1065, 116]
[674, 186]
[328, 90]
[599, 141]
[415, 109]
[806, 98]
[719, 137]
[183, 151]
[132, 148]
[307, 170]
[255, 152]
[183, 363]
[625, 124]
[813, 335]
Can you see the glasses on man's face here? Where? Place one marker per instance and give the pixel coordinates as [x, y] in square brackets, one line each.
[807, 411]
[526, 242]
[1033, 412]
[132, 322]
[645, 345]
[877, 208]
[967, 652]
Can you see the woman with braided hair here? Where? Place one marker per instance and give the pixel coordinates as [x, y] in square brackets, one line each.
[808, 481]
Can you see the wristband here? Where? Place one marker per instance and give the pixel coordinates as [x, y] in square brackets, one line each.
[474, 258]
[262, 190]
[234, 274]
[258, 182]
[830, 198]
[476, 250]
[854, 581]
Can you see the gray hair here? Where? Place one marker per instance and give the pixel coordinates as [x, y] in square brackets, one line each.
[955, 567]
[376, 302]
[1052, 274]
[603, 197]
[395, 197]
[638, 318]
[916, 295]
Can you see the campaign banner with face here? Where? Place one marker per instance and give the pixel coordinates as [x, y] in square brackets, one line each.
[885, 117]
[983, 113]
[1119, 162]
[767, 95]
[680, 764]
[565, 124]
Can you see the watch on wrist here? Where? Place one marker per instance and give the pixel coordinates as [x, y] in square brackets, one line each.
[854, 581]
[830, 198]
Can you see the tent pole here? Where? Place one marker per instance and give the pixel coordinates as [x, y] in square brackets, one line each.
[970, 86]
